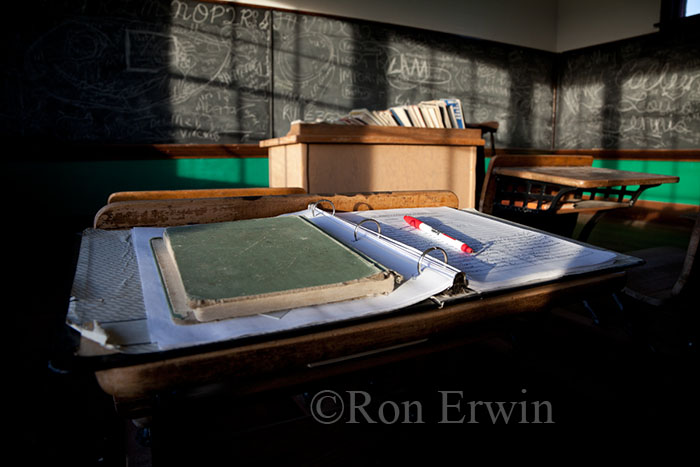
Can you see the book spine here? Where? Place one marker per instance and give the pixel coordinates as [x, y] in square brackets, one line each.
[455, 108]
[402, 116]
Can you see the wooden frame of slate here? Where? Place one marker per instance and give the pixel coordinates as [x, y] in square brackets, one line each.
[248, 267]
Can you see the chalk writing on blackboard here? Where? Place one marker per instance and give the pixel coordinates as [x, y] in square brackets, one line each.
[153, 71]
[643, 94]
[325, 67]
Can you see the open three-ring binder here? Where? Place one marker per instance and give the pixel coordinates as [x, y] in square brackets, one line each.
[409, 259]
[505, 256]
[261, 266]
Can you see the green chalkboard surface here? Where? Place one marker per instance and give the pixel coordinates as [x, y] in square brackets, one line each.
[324, 67]
[642, 93]
[186, 71]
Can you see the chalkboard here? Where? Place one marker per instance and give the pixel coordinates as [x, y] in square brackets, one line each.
[642, 93]
[185, 71]
[138, 71]
[325, 67]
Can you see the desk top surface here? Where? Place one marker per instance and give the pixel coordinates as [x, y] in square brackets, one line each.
[251, 362]
[585, 177]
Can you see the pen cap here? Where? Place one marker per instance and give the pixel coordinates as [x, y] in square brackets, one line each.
[412, 221]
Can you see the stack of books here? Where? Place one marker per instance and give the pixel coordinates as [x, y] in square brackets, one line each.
[438, 113]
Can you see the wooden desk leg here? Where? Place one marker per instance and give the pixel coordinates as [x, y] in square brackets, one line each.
[140, 411]
[480, 174]
[588, 228]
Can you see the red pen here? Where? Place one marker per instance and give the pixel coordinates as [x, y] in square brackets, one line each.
[426, 228]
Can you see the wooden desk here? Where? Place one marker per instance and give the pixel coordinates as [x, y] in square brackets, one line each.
[570, 190]
[321, 352]
[255, 364]
[586, 177]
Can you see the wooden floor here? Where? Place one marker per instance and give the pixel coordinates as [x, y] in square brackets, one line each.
[604, 367]
[624, 234]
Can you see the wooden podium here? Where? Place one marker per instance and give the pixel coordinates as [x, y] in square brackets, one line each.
[326, 158]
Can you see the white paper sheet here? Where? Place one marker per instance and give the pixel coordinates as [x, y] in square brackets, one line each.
[505, 256]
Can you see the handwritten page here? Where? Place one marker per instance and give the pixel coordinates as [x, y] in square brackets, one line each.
[504, 255]
[393, 255]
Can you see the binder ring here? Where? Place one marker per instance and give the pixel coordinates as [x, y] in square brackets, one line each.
[313, 206]
[432, 248]
[379, 227]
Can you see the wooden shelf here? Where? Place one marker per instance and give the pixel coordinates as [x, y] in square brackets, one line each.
[374, 134]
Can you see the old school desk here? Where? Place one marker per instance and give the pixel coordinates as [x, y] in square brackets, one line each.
[547, 187]
[275, 361]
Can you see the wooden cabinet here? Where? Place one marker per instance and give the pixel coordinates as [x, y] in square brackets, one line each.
[324, 158]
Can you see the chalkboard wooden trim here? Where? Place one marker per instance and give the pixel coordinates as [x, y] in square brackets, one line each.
[62, 152]
[374, 134]
[676, 155]
[488, 152]
[211, 150]
[692, 155]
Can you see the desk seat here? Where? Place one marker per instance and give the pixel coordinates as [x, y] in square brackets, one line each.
[150, 195]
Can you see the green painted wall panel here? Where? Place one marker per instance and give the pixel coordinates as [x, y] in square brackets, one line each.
[81, 188]
[686, 191]
[241, 172]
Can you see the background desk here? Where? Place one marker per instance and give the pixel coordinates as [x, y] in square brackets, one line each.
[523, 193]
